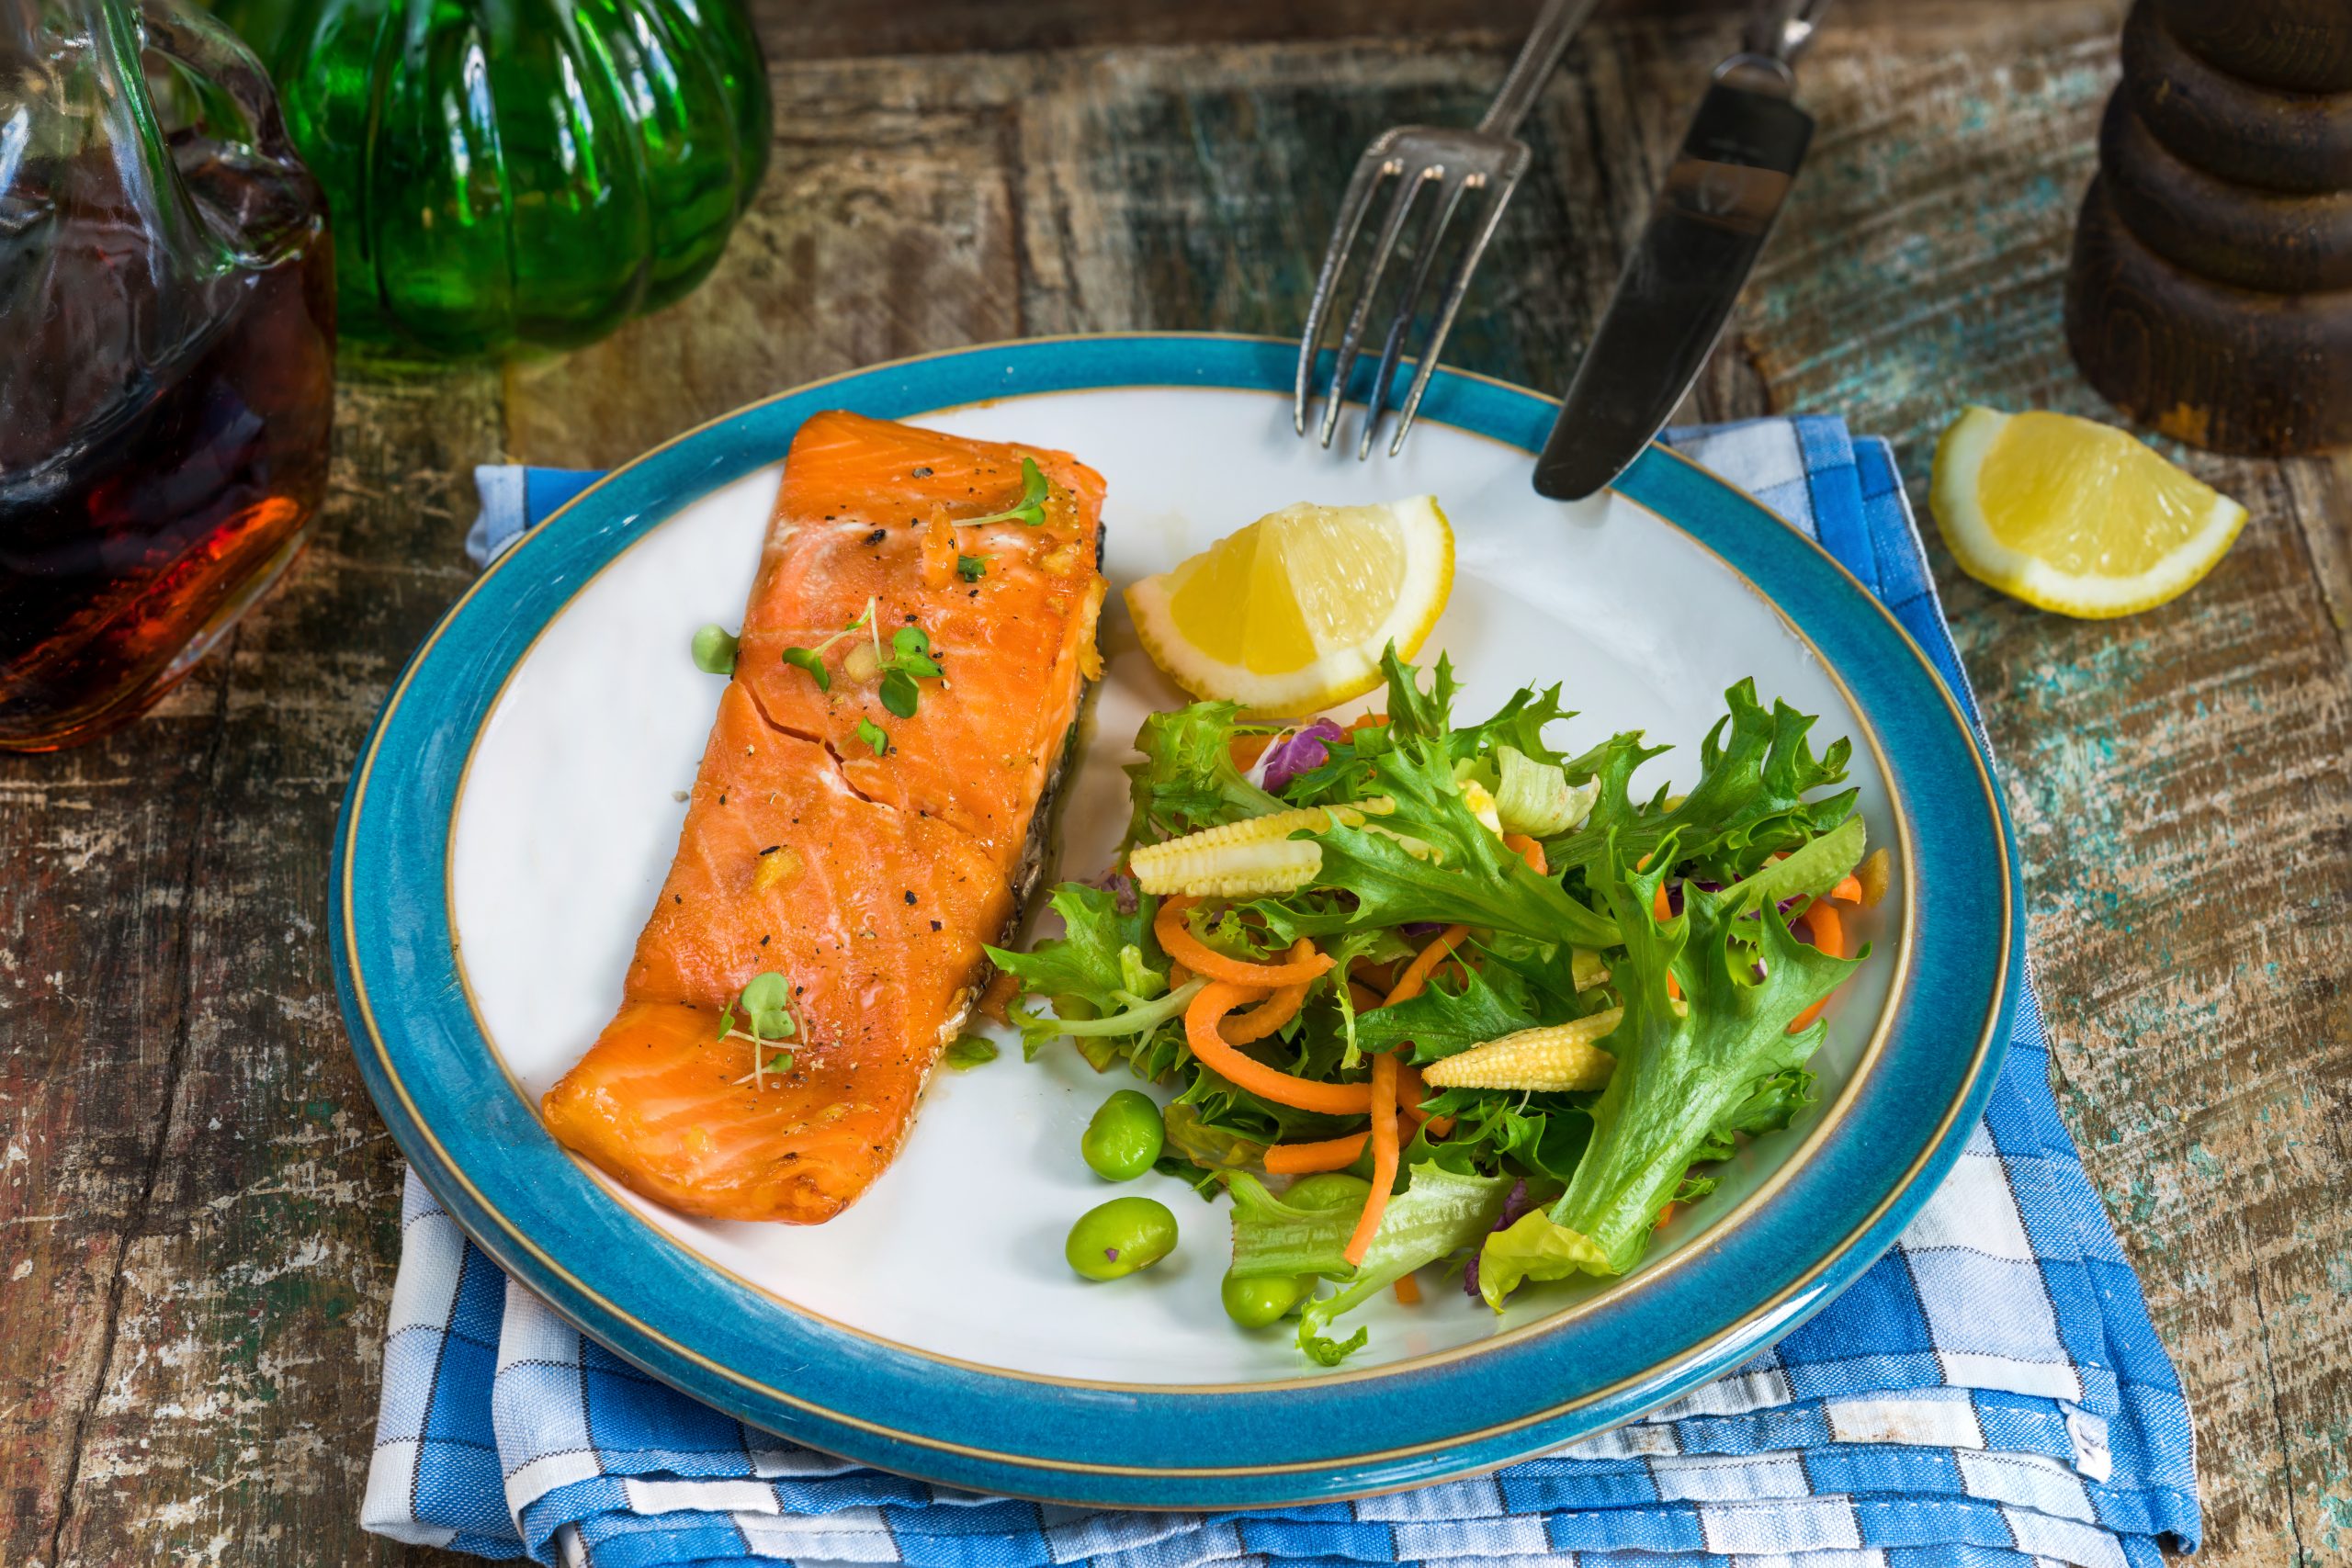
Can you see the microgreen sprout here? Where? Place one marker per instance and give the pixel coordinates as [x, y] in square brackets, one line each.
[909, 659]
[713, 651]
[761, 1015]
[969, 1050]
[1030, 510]
[812, 660]
[971, 568]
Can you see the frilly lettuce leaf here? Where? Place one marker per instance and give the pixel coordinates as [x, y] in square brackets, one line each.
[1221, 1104]
[1207, 1146]
[1814, 869]
[1546, 1134]
[1104, 963]
[1464, 874]
[1452, 1015]
[1680, 1078]
[1534, 1248]
[1187, 779]
[1440, 1212]
[1085, 960]
[1755, 769]
[1520, 725]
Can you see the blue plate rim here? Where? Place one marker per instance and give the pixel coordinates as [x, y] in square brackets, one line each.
[1168, 1423]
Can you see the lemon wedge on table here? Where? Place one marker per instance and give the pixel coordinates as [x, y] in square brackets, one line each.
[1290, 615]
[2072, 516]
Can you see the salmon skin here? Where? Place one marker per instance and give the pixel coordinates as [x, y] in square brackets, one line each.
[869, 882]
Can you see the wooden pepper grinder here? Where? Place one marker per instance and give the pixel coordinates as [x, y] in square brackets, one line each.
[2211, 294]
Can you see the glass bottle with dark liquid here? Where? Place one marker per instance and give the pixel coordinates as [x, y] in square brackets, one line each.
[166, 360]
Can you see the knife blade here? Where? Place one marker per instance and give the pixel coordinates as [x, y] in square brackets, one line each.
[1712, 214]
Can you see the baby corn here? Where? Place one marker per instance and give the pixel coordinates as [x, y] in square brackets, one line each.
[1560, 1056]
[1240, 860]
[1482, 805]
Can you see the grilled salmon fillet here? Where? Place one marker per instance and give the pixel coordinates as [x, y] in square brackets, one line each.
[868, 882]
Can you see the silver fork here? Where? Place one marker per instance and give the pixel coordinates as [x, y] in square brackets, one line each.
[1448, 165]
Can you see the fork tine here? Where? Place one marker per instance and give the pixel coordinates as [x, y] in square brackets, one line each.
[1458, 284]
[1408, 307]
[1408, 191]
[1370, 168]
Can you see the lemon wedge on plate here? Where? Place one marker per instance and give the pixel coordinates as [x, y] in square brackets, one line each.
[2072, 516]
[1290, 613]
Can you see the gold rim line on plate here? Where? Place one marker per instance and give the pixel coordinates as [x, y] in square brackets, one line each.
[1721, 1225]
[731, 1375]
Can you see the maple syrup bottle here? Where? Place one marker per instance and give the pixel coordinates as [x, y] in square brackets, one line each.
[166, 388]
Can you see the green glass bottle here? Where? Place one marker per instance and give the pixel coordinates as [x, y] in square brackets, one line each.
[513, 174]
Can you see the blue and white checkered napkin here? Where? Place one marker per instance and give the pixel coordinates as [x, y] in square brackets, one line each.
[1991, 1392]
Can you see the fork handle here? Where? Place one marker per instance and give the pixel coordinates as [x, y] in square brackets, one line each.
[1537, 58]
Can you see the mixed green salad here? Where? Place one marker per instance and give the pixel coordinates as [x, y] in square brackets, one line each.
[1428, 991]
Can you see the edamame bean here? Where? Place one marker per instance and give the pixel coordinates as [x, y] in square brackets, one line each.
[1124, 1136]
[1254, 1303]
[1115, 1239]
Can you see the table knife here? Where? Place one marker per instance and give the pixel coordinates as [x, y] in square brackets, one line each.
[1738, 159]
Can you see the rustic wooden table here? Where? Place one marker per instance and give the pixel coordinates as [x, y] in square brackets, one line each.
[197, 1206]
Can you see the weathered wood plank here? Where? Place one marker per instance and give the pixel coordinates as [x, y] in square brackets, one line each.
[1103, 190]
[801, 31]
[99, 847]
[885, 227]
[199, 1198]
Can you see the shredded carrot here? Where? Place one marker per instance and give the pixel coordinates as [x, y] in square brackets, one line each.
[1384, 1157]
[1829, 933]
[1210, 1005]
[1407, 986]
[1302, 1159]
[1662, 909]
[1410, 1092]
[1851, 890]
[1665, 1214]
[1366, 721]
[1417, 973]
[1529, 851]
[1409, 1290]
[1276, 1010]
[1177, 973]
[999, 997]
[1182, 945]
[1246, 750]
[1364, 997]
[1379, 976]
